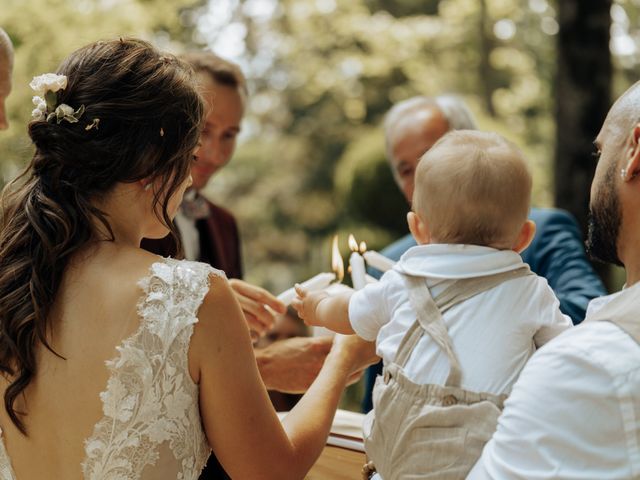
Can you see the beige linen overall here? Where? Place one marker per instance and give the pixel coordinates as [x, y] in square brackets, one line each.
[431, 431]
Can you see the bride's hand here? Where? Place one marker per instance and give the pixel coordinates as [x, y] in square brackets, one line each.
[254, 302]
[356, 353]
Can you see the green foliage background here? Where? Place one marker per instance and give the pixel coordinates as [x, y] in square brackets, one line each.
[322, 74]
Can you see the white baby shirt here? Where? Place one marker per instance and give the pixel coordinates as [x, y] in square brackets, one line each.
[493, 333]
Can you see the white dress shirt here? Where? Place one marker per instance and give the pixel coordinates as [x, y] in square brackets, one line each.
[493, 333]
[188, 232]
[575, 411]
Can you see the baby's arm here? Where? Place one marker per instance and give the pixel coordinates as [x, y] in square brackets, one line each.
[324, 310]
[552, 321]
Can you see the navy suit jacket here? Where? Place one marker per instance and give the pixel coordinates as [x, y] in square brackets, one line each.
[556, 253]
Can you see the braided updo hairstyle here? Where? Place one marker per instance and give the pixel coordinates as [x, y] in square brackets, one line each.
[142, 120]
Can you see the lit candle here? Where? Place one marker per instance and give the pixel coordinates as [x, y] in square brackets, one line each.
[378, 261]
[337, 264]
[356, 262]
[319, 282]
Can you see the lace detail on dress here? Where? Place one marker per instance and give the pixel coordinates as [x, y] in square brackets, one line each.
[6, 472]
[150, 397]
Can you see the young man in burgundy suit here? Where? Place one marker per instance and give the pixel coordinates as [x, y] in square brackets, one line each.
[209, 233]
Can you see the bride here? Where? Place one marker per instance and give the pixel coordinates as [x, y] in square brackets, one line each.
[118, 364]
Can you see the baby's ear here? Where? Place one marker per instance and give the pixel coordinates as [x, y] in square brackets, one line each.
[418, 228]
[525, 237]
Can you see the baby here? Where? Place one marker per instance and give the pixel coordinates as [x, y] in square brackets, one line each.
[457, 317]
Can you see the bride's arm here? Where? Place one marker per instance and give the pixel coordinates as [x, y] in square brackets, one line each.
[240, 423]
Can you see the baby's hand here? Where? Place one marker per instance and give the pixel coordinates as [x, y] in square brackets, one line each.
[306, 304]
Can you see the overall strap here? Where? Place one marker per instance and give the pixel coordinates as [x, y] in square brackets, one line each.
[429, 313]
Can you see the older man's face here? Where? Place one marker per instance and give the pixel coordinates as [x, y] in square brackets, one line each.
[408, 140]
[6, 66]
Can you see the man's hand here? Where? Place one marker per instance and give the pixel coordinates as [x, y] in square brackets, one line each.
[254, 302]
[291, 365]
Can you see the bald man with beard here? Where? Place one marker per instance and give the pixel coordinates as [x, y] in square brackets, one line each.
[6, 67]
[575, 410]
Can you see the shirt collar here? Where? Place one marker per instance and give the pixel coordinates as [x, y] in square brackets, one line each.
[456, 261]
[599, 303]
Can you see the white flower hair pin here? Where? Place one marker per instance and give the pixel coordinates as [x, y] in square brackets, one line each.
[46, 86]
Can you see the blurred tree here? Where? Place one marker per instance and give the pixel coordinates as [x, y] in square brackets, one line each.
[45, 31]
[583, 97]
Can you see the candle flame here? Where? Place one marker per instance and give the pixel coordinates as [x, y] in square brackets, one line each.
[337, 264]
[353, 245]
[363, 247]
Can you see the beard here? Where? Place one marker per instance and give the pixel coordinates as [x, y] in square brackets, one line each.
[605, 218]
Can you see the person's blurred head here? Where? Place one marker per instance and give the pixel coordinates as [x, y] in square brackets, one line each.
[472, 188]
[412, 127]
[615, 202]
[6, 67]
[224, 89]
[141, 123]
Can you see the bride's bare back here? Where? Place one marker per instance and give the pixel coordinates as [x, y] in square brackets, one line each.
[95, 311]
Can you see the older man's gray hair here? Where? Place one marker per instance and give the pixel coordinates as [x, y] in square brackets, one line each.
[453, 108]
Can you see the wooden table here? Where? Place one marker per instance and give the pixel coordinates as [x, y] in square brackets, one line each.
[343, 457]
[337, 463]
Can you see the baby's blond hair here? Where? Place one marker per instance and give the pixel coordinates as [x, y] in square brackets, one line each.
[473, 188]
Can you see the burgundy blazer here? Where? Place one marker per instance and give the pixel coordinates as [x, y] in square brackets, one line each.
[219, 242]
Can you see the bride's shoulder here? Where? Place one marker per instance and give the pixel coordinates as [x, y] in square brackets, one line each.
[183, 269]
[179, 280]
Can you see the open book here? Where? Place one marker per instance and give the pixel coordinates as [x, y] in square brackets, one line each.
[346, 431]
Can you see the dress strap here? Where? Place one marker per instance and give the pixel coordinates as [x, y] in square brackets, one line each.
[6, 471]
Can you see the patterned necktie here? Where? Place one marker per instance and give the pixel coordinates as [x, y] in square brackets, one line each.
[195, 207]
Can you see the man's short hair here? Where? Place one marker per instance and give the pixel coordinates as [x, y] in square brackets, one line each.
[219, 70]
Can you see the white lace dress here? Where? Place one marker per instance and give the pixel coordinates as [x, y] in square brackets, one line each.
[151, 427]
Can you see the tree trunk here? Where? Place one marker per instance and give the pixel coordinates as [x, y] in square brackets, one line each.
[583, 97]
[486, 45]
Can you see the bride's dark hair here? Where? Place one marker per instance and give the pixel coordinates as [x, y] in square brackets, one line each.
[142, 120]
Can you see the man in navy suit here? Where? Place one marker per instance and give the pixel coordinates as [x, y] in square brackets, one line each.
[557, 252]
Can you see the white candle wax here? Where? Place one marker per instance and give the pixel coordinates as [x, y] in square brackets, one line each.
[378, 261]
[358, 271]
[320, 281]
[370, 279]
